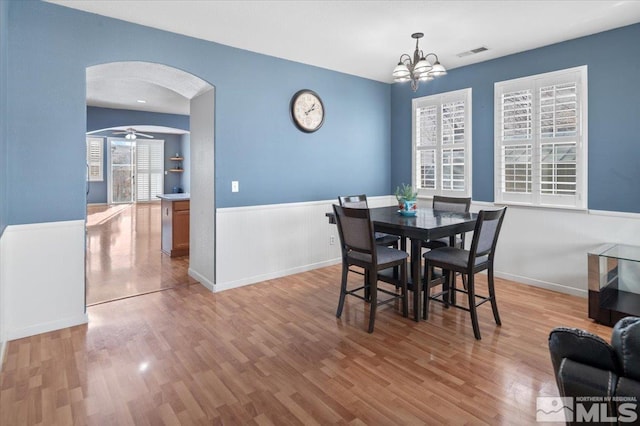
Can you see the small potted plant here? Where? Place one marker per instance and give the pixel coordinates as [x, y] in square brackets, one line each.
[406, 197]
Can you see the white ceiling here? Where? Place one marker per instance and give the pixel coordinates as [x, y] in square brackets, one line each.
[366, 38]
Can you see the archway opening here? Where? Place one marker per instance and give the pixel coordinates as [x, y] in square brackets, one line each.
[140, 113]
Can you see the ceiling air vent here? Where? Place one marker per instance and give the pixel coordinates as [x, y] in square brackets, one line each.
[471, 52]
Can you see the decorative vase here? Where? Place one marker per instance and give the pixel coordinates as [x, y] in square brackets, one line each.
[409, 208]
[410, 205]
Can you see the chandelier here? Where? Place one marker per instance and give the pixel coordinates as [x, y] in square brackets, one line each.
[418, 69]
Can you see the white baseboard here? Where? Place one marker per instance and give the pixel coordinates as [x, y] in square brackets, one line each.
[3, 351]
[201, 279]
[542, 284]
[273, 275]
[17, 333]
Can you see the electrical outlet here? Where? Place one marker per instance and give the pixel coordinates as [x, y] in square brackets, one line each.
[332, 240]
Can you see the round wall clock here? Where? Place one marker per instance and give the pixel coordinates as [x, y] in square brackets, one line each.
[307, 110]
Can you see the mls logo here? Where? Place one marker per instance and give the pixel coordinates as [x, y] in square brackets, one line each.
[554, 409]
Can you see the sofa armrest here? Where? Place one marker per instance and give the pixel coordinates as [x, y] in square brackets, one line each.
[625, 340]
[576, 379]
[583, 347]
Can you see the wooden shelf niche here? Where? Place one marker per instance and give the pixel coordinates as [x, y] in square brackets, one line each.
[177, 166]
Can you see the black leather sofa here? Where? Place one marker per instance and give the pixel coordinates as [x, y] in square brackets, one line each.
[593, 372]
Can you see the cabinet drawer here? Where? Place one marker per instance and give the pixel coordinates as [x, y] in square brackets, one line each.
[180, 205]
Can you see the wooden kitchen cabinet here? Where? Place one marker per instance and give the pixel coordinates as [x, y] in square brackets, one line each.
[175, 227]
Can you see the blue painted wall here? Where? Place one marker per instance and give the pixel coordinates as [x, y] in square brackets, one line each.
[49, 49]
[4, 19]
[103, 118]
[613, 60]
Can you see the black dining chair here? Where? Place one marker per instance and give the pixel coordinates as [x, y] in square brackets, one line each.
[360, 202]
[455, 205]
[449, 204]
[360, 249]
[478, 258]
[382, 239]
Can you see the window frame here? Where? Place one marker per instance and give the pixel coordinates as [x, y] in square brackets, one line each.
[537, 197]
[438, 100]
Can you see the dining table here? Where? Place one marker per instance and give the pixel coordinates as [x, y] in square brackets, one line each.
[427, 224]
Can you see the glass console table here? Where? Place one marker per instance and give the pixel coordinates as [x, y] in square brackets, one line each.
[614, 282]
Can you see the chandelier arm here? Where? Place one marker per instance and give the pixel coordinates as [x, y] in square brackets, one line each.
[406, 58]
[430, 54]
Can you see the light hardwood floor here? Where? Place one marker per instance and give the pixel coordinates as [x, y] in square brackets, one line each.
[274, 353]
[123, 253]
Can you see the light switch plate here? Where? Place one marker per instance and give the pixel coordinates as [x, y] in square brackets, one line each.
[235, 186]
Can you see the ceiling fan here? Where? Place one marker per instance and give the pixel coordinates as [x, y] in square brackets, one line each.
[131, 134]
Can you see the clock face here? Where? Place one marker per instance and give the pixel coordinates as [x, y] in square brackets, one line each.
[307, 111]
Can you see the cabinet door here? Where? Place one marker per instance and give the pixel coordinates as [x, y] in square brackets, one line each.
[181, 229]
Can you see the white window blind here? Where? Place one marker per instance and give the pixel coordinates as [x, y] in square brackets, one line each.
[149, 169]
[95, 155]
[442, 144]
[540, 139]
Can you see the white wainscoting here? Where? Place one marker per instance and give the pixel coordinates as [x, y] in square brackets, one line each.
[542, 247]
[42, 278]
[3, 339]
[259, 243]
[548, 247]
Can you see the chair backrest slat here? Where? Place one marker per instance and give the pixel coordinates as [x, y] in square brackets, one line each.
[355, 229]
[354, 201]
[451, 204]
[485, 235]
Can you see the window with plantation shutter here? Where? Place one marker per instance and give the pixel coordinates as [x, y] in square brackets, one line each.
[95, 155]
[442, 144]
[541, 141]
[149, 169]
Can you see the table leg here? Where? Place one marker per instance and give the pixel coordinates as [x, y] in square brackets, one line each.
[416, 263]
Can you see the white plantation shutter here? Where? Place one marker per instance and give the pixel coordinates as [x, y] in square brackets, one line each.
[516, 171]
[453, 119]
[517, 119]
[95, 155]
[426, 142]
[453, 176]
[541, 139]
[516, 128]
[142, 171]
[442, 144]
[149, 169]
[559, 141]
